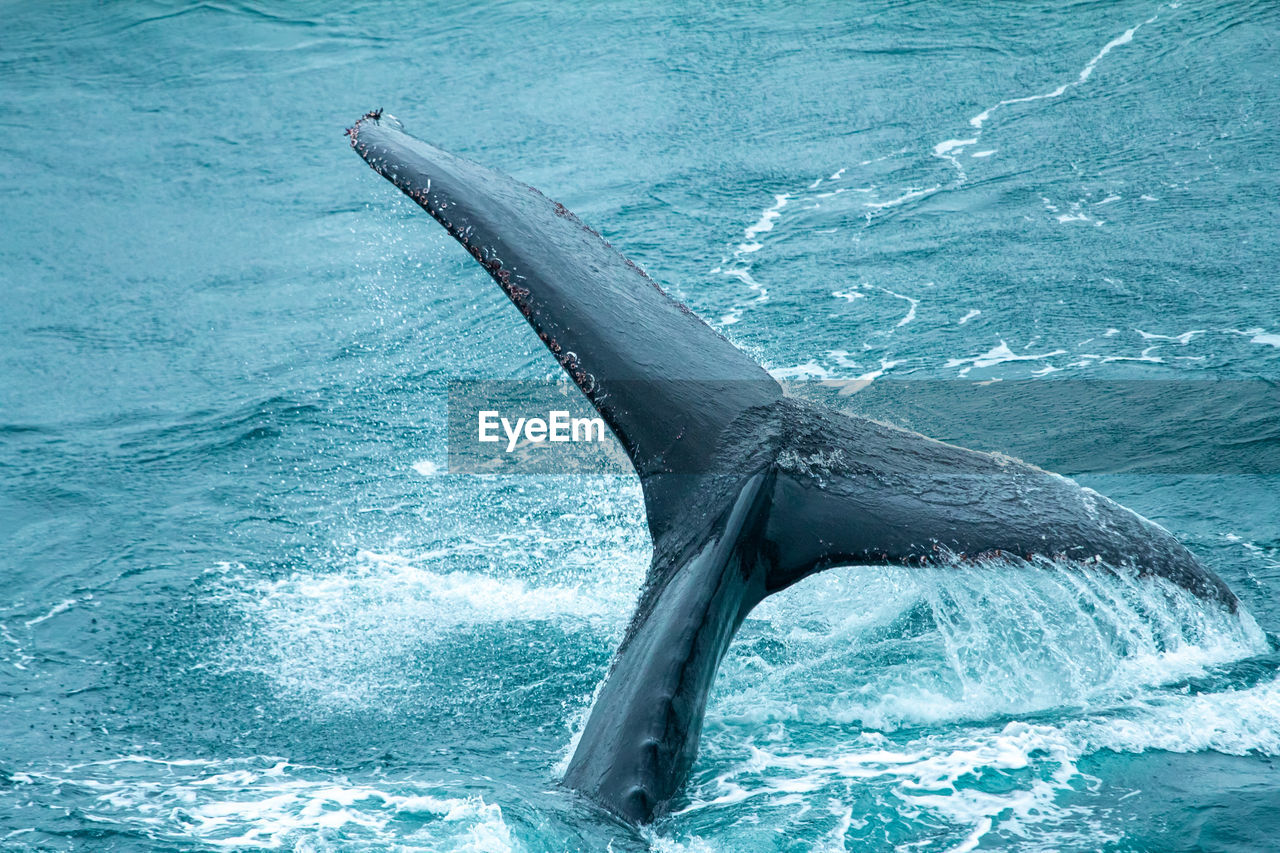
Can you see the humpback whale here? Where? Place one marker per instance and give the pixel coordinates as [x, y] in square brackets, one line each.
[746, 490]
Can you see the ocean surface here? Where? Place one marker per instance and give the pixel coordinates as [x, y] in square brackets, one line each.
[246, 606]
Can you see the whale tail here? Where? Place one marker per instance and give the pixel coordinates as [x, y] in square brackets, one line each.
[663, 380]
[746, 491]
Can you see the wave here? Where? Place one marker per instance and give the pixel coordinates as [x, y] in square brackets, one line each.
[267, 803]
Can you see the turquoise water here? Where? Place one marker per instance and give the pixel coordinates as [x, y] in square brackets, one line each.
[246, 606]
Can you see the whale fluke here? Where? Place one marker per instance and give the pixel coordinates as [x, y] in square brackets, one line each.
[664, 381]
[747, 491]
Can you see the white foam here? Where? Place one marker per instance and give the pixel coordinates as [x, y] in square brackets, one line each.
[1184, 338]
[664, 844]
[61, 607]
[967, 317]
[768, 216]
[847, 384]
[1077, 213]
[946, 146]
[911, 310]
[738, 265]
[1124, 38]
[1098, 646]
[848, 377]
[999, 354]
[859, 291]
[886, 365]
[1047, 636]
[426, 467]
[267, 803]
[950, 149]
[908, 195]
[743, 274]
[1232, 722]
[927, 782]
[809, 370]
[1145, 356]
[350, 637]
[19, 658]
[1268, 339]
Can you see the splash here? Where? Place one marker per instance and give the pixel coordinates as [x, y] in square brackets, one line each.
[268, 803]
[355, 636]
[892, 648]
[889, 692]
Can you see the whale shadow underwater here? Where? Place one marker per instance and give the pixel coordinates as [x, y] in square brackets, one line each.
[746, 490]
